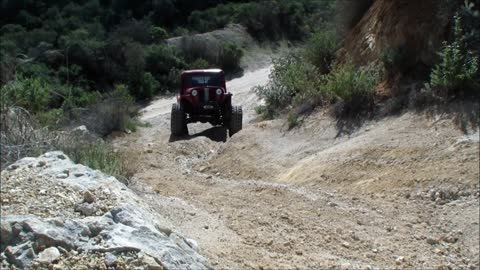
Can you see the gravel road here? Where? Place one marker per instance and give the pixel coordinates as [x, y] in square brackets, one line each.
[401, 192]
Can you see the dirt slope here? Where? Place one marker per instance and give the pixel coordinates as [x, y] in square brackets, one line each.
[397, 193]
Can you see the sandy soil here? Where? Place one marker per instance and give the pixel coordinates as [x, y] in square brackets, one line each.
[401, 192]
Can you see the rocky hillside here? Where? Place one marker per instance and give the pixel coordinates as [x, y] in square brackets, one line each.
[419, 26]
[58, 215]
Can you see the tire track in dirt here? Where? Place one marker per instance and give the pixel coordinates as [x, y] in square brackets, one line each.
[306, 199]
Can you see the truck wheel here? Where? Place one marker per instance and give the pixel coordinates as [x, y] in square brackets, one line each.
[178, 124]
[235, 120]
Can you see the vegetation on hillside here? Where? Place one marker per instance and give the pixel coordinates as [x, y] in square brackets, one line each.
[89, 62]
[312, 77]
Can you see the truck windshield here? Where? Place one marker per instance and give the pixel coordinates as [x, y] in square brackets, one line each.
[207, 79]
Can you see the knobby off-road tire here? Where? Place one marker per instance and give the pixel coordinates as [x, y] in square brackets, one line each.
[178, 124]
[235, 120]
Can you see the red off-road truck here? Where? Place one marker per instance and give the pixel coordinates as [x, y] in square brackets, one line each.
[203, 97]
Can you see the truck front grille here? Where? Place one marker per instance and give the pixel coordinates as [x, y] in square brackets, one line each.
[206, 95]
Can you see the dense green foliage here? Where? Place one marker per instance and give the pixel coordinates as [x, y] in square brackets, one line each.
[61, 57]
[296, 86]
[292, 81]
[470, 20]
[321, 47]
[458, 71]
[268, 19]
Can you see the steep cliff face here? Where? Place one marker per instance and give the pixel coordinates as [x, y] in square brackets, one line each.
[417, 26]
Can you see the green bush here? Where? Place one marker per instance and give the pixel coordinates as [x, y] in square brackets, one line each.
[273, 19]
[395, 60]
[353, 87]
[51, 118]
[158, 34]
[165, 64]
[458, 68]
[320, 49]
[230, 57]
[112, 113]
[36, 70]
[32, 94]
[470, 14]
[160, 59]
[148, 87]
[199, 63]
[292, 82]
[296, 86]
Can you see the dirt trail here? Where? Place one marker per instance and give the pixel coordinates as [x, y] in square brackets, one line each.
[401, 192]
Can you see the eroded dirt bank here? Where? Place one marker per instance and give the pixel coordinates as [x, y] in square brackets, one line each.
[401, 192]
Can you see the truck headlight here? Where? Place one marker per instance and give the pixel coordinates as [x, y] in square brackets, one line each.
[219, 92]
[194, 93]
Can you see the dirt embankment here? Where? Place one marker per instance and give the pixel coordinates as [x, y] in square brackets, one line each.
[419, 27]
[401, 192]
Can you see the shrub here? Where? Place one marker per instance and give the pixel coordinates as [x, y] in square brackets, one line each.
[148, 87]
[171, 81]
[199, 63]
[320, 49]
[292, 120]
[470, 14]
[100, 156]
[51, 118]
[272, 20]
[21, 136]
[158, 34]
[458, 68]
[292, 82]
[138, 31]
[36, 70]
[353, 87]
[161, 58]
[395, 60]
[32, 94]
[230, 57]
[165, 64]
[111, 113]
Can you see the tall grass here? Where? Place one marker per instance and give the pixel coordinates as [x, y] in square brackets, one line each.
[101, 156]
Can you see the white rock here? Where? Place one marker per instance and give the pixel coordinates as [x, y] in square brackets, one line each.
[128, 223]
[110, 259]
[62, 176]
[82, 129]
[49, 255]
[86, 209]
[192, 243]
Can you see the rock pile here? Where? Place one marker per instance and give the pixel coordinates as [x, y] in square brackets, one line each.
[59, 215]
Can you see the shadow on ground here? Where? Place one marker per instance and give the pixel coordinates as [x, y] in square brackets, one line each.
[466, 114]
[216, 134]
